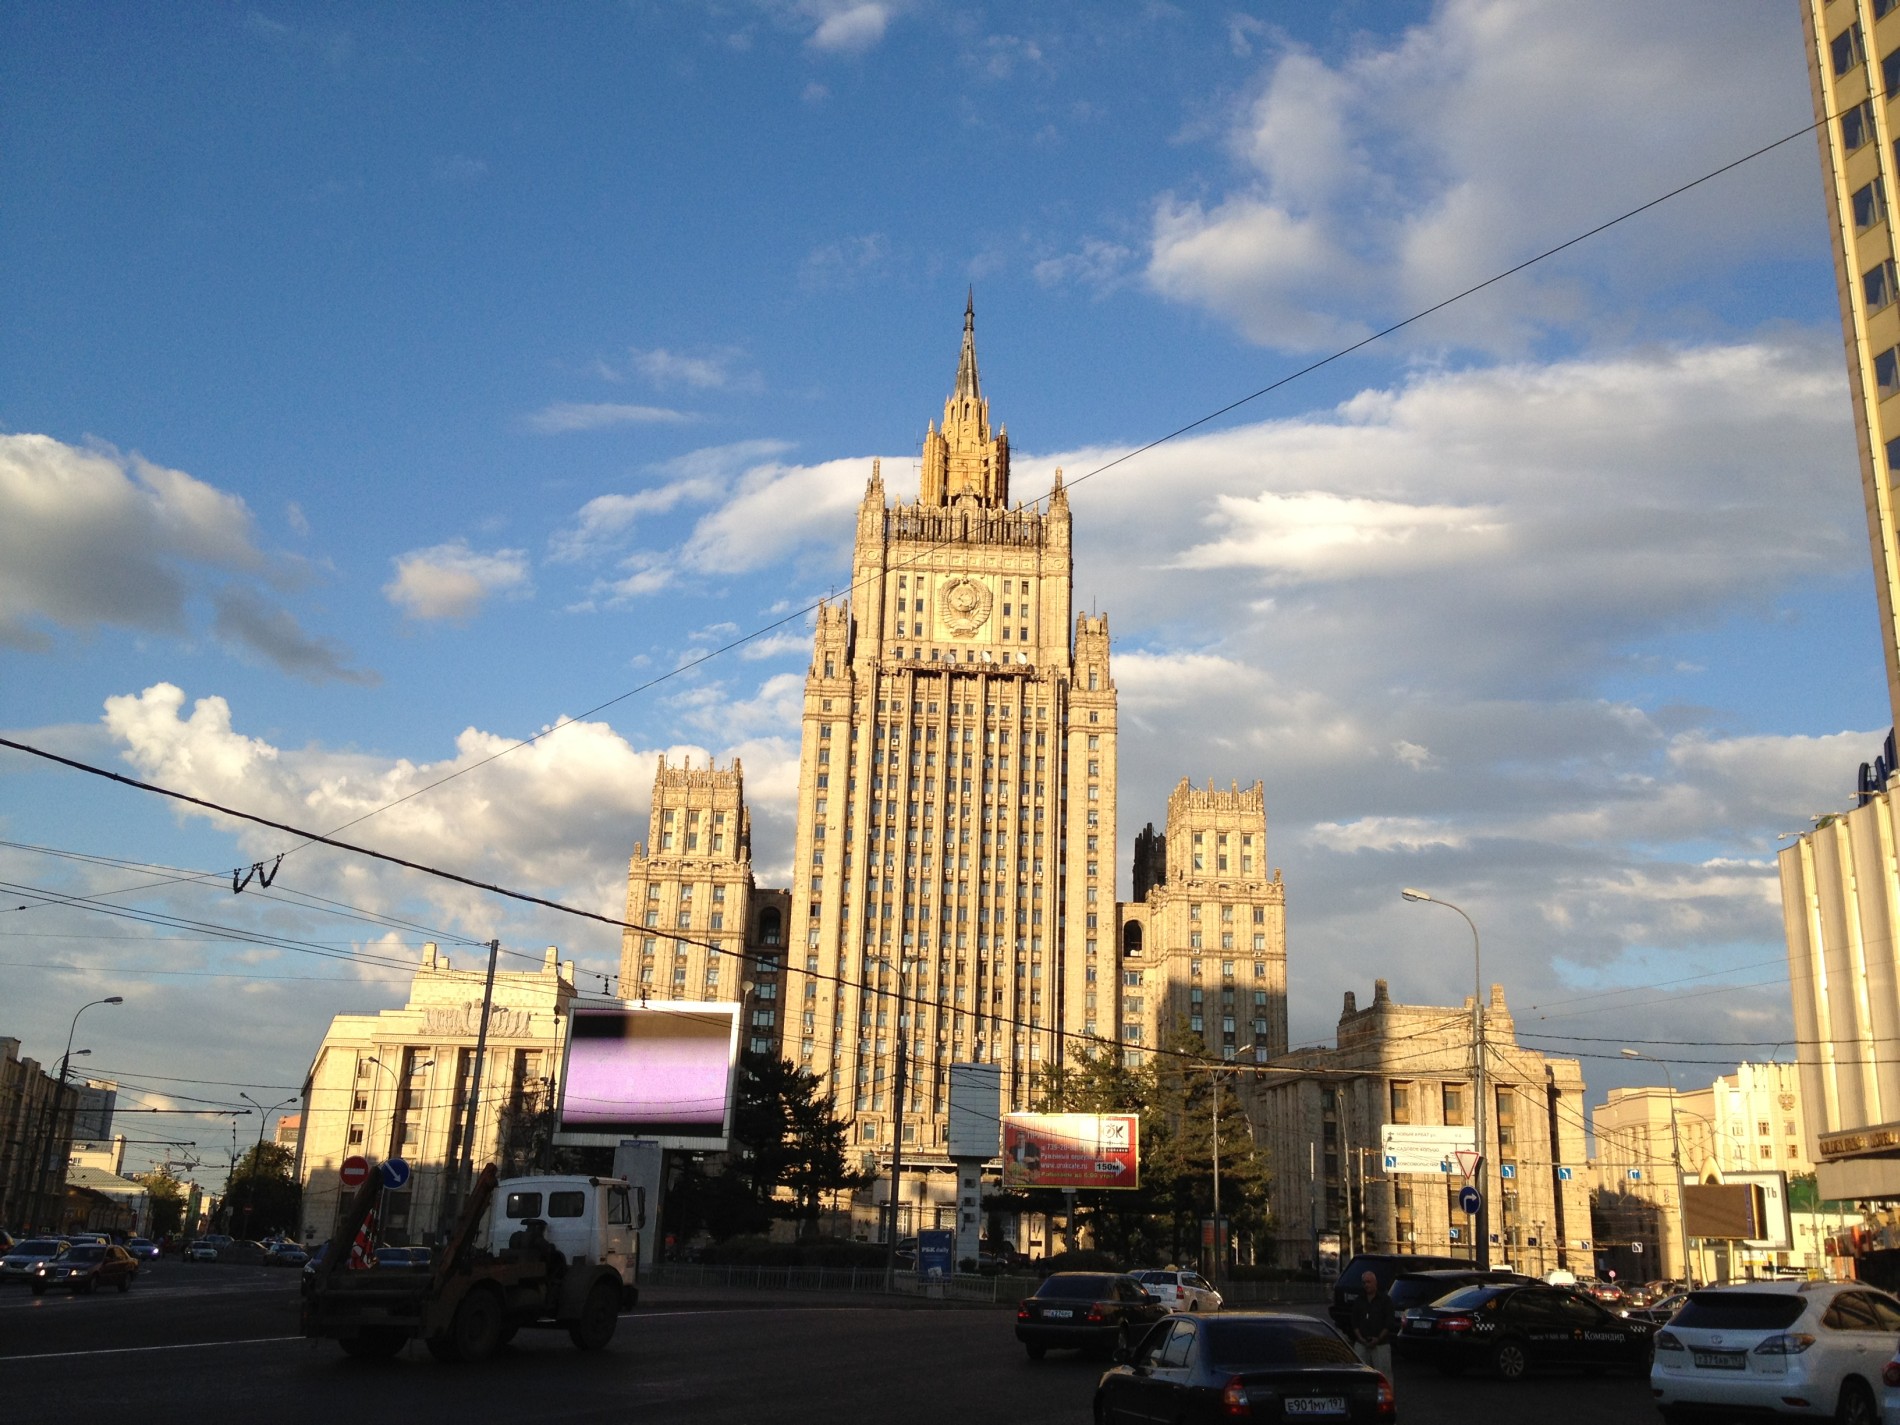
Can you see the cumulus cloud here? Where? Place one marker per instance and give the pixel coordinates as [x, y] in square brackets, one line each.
[93, 538]
[556, 817]
[453, 581]
[563, 417]
[1406, 170]
[846, 26]
[710, 372]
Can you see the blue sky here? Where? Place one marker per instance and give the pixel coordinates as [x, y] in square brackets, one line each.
[381, 384]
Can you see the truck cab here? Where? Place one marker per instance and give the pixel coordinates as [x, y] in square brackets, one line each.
[590, 1221]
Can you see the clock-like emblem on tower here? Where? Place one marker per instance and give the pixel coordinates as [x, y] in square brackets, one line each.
[965, 605]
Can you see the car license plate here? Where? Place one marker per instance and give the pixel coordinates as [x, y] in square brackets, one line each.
[1721, 1360]
[1315, 1404]
[1058, 1315]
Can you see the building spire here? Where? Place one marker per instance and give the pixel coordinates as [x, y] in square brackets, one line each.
[967, 387]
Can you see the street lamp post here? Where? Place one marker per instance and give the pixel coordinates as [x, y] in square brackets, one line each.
[1481, 1256]
[897, 1129]
[1675, 1155]
[50, 1137]
[263, 1122]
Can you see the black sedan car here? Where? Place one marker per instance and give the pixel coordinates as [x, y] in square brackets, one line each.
[86, 1268]
[1510, 1330]
[1090, 1311]
[1242, 1365]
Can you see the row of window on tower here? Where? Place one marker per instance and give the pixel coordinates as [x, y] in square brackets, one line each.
[713, 827]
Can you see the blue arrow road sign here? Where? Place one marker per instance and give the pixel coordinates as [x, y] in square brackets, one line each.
[395, 1173]
[1390, 1162]
[1468, 1199]
[1507, 1170]
[1636, 1175]
[1563, 1175]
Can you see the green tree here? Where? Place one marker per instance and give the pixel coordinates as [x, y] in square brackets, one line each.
[166, 1199]
[262, 1194]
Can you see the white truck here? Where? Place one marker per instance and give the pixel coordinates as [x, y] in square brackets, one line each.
[555, 1251]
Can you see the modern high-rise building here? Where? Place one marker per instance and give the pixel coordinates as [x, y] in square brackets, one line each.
[1840, 886]
[956, 833]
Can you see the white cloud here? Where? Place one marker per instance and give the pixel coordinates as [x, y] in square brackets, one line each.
[845, 263]
[564, 416]
[847, 26]
[1409, 169]
[1095, 263]
[712, 372]
[92, 538]
[452, 581]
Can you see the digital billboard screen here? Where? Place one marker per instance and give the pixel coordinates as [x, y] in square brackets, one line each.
[657, 1071]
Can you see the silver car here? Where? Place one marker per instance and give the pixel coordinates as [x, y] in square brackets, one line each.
[1181, 1291]
[19, 1264]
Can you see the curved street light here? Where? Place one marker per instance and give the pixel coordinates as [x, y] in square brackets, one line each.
[1481, 1255]
[49, 1136]
[264, 1111]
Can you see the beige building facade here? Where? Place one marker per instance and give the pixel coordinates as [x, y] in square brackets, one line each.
[1840, 884]
[698, 926]
[1324, 1110]
[398, 1084]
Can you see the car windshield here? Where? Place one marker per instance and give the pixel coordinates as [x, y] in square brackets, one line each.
[37, 1248]
[1247, 1345]
[1077, 1287]
[1739, 1311]
[1417, 1291]
[87, 1253]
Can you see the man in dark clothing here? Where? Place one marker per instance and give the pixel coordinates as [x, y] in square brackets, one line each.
[1374, 1322]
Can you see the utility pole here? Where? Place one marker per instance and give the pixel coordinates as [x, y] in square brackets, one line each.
[463, 1170]
[897, 1131]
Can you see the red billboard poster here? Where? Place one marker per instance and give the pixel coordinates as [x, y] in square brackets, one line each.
[1071, 1150]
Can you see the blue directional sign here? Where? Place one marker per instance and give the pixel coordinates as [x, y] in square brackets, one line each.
[395, 1173]
[1507, 1170]
[1636, 1175]
[1468, 1200]
[1563, 1175]
[1391, 1162]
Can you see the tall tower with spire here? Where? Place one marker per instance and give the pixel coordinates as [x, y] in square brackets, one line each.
[961, 461]
[957, 783]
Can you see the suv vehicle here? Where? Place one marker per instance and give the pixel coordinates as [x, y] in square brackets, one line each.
[1386, 1266]
[1794, 1348]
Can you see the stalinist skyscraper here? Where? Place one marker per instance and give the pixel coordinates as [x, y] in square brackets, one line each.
[956, 793]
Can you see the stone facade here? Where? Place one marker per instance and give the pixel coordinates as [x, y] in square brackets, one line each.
[396, 1084]
[699, 928]
[1206, 947]
[35, 1143]
[1322, 1111]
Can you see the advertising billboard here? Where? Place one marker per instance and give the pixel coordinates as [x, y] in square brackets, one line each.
[1070, 1150]
[976, 1106]
[661, 1071]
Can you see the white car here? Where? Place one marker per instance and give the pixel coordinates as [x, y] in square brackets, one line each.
[1180, 1291]
[1789, 1348]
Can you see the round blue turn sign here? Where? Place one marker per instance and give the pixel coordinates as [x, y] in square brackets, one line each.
[395, 1173]
[1468, 1199]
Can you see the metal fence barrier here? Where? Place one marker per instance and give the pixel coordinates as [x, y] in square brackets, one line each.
[961, 1287]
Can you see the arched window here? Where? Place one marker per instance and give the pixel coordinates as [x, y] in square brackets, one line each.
[1131, 938]
[769, 926]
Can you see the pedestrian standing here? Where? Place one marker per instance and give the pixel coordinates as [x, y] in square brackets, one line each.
[1374, 1320]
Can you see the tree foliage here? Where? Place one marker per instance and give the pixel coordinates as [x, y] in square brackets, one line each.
[262, 1194]
[165, 1196]
[1176, 1091]
[788, 1153]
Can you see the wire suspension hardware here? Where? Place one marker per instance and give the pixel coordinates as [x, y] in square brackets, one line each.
[256, 869]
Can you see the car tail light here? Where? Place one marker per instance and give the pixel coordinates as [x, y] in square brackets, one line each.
[1668, 1341]
[1098, 1312]
[1790, 1343]
[1387, 1407]
[1022, 1311]
[1454, 1323]
[1233, 1399]
[1890, 1373]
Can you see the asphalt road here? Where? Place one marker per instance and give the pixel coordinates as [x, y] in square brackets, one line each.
[215, 1343]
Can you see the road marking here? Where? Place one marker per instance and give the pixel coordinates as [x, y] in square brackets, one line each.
[134, 1350]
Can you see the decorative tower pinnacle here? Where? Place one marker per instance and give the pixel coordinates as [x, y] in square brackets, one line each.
[962, 460]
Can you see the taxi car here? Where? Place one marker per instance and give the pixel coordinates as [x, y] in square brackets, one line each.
[1511, 1330]
[1182, 1291]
